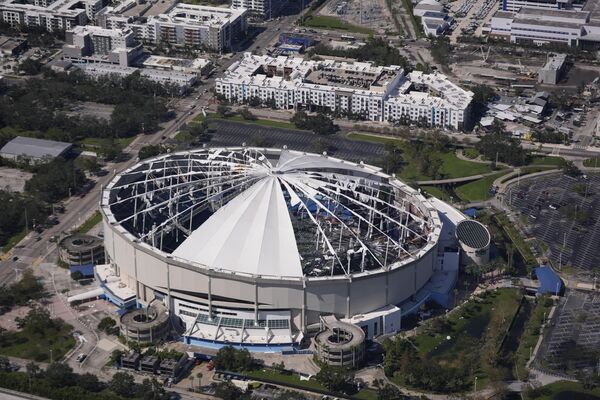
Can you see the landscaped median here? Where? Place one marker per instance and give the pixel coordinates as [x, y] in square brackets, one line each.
[90, 223]
[531, 335]
[516, 238]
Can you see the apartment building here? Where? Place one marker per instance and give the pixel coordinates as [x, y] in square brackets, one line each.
[95, 44]
[352, 88]
[48, 14]
[185, 25]
[267, 9]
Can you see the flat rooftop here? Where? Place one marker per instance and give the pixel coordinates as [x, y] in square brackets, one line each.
[34, 148]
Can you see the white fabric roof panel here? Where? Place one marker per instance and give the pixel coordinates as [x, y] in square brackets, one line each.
[257, 224]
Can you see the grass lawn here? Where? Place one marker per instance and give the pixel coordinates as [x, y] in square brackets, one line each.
[530, 337]
[469, 325]
[563, 391]
[293, 379]
[547, 160]
[452, 166]
[37, 346]
[92, 142]
[592, 162]
[471, 152]
[436, 191]
[284, 379]
[470, 334]
[327, 22]
[91, 222]
[263, 122]
[517, 239]
[477, 190]
[12, 242]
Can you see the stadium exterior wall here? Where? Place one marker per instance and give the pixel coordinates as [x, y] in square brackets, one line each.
[146, 270]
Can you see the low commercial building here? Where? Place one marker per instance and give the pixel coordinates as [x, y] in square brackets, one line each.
[553, 70]
[353, 88]
[11, 46]
[542, 26]
[95, 44]
[131, 360]
[435, 23]
[32, 149]
[516, 5]
[199, 66]
[181, 80]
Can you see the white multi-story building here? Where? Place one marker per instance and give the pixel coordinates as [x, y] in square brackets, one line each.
[50, 15]
[352, 88]
[185, 25]
[437, 101]
[516, 5]
[267, 9]
[540, 26]
[95, 44]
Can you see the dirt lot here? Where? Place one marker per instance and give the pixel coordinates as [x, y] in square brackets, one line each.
[13, 179]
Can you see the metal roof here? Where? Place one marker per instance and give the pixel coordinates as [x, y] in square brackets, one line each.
[473, 234]
[34, 148]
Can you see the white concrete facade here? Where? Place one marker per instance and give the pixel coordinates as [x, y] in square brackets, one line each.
[53, 16]
[185, 25]
[199, 293]
[359, 88]
[541, 26]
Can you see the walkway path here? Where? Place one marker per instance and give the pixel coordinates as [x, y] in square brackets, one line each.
[462, 179]
[460, 153]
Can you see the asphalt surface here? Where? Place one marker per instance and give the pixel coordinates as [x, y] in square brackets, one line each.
[227, 133]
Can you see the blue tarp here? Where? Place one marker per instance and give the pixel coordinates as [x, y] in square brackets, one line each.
[470, 212]
[86, 269]
[549, 280]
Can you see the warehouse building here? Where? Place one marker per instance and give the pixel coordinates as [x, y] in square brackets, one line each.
[32, 149]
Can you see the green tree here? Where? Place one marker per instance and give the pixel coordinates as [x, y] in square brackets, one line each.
[123, 384]
[392, 159]
[335, 379]
[229, 358]
[228, 391]
[223, 110]
[152, 150]
[390, 392]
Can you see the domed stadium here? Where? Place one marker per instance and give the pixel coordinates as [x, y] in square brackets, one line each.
[252, 246]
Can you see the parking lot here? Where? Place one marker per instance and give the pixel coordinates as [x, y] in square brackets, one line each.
[573, 340]
[564, 213]
[234, 134]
